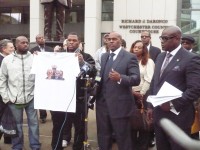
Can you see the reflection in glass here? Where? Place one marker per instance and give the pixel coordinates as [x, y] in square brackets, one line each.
[107, 10]
[190, 20]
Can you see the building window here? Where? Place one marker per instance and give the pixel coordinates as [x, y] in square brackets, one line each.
[14, 15]
[190, 20]
[76, 14]
[107, 10]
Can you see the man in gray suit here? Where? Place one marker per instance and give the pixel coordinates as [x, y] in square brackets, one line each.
[115, 103]
[59, 6]
[182, 72]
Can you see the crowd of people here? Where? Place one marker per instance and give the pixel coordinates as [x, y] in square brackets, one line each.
[126, 78]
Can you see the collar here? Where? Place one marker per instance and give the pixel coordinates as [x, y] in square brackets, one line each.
[116, 52]
[2, 54]
[175, 50]
[148, 47]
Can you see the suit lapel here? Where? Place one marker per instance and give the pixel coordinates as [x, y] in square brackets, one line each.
[177, 57]
[159, 64]
[118, 59]
[104, 61]
[115, 63]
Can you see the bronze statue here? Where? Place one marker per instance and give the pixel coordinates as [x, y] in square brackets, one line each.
[59, 6]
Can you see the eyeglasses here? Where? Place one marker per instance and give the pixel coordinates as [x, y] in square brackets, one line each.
[144, 37]
[166, 38]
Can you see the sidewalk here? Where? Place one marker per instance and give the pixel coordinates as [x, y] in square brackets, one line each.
[45, 135]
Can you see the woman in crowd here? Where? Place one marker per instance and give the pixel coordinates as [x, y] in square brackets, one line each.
[146, 65]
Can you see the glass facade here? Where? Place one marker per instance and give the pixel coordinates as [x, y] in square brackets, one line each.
[190, 20]
[16, 15]
[107, 10]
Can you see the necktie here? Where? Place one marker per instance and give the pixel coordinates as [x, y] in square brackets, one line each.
[109, 65]
[165, 63]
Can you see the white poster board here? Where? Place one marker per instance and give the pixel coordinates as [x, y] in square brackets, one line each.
[55, 81]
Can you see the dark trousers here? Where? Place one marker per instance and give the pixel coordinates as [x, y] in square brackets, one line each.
[43, 114]
[7, 139]
[67, 131]
[48, 19]
[106, 124]
[164, 142]
[140, 139]
[77, 119]
[58, 119]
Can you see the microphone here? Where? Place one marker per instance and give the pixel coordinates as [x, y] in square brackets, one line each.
[83, 71]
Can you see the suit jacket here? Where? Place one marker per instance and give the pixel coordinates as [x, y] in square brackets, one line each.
[66, 3]
[118, 97]
[1, 59]
[154, 52]
[183, 72]
[36, 48]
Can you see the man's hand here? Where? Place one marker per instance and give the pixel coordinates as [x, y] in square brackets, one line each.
[114, 75]
[165, 106]
[149, 115]
[57, 48]
[137, 95]
[35, 52]
[80, 57]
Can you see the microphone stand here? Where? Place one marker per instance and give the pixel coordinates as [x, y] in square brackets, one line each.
[86, 88]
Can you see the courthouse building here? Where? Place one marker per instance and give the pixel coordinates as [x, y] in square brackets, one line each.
[93, 18]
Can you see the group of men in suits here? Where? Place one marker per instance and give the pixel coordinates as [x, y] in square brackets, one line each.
[114, 100]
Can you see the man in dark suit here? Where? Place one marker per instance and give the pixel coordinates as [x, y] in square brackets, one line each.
[182, 72]
[41, 47]
[146, 40]
[188, 43]
[6, 48]
[114, 102]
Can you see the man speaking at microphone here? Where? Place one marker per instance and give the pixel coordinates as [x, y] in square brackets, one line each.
[114, 101]
[87, 66]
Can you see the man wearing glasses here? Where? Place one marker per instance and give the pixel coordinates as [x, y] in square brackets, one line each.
[146, 40]
[181, 69]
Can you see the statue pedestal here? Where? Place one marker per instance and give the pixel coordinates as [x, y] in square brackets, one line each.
[53, 43]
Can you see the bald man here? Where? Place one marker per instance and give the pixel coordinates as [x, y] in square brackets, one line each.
[17, 89]
[114, 102]
[182, 72]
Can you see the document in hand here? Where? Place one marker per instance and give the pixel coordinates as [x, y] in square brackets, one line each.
[166, 93]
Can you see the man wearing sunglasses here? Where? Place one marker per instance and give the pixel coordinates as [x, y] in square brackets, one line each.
[181, 69]
[146, 40]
